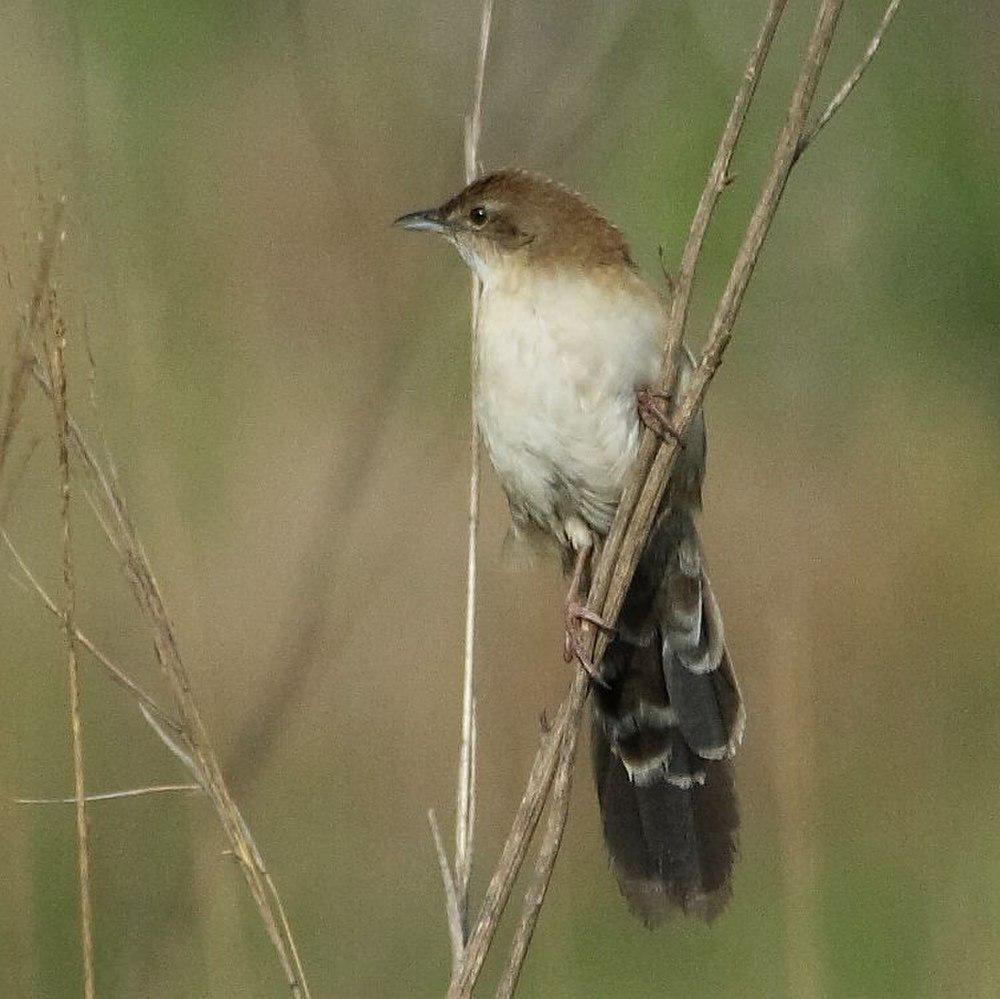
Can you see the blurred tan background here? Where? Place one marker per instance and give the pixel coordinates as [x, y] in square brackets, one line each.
[283, 382]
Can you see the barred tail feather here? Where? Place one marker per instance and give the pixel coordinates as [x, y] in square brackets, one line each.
[664, 731]
[672, 845]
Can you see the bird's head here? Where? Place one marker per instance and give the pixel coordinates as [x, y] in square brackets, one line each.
[514, 218]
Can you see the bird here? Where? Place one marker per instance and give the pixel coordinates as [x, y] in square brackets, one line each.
[569, 345]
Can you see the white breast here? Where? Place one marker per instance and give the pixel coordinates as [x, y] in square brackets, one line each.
[560, 360]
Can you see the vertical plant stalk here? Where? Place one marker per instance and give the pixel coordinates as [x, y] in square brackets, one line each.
[718, 180]
[57, 369]
[545, 863]
[190, 741]
[23, 359]
[465, 806]
[852, 81]
[450, 896]
[633, 521]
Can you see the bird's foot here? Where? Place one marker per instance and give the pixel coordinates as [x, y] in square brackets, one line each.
[574, 645]
[654, 412]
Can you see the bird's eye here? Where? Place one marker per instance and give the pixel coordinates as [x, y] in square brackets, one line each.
[478, 215]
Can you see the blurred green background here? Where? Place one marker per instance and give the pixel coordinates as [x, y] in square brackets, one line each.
[283, 382]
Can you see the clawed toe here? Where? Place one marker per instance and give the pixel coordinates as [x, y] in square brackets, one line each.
[574, 647]
[579, 653]
[653, 408]
[575, 611]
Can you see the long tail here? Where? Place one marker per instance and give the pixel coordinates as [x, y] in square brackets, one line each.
[663, 734]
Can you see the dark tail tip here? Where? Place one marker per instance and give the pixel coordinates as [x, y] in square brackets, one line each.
[672, 848]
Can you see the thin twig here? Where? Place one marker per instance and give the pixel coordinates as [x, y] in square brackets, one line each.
[17, 384]
[51, 239]
[852, 81]
[715, 184]
[465, 805]
[465, 792]
[57, 367]
[570, 713]
[173, 743]
[193, 745]
[135, 792]
[720, 332]
[545, 862]
[474, 119]
[516, 846]
[188, 737]
[617, 568]
[456, 932]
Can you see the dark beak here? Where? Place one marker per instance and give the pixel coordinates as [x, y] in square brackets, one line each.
[429, 220]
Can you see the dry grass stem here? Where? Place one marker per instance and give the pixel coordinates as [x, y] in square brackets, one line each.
[545, 863]
[571, 710]
[57, 368]
[134, 792]
[633, 521]
[17, 385]
[474, 120]
[193, 737]
[720, 333]
[716, 183]
[465, 803]
[852, 81]
[518, 839]
[187, 737]
[456, 931]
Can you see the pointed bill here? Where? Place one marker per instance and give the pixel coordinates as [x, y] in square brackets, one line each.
[428, 220]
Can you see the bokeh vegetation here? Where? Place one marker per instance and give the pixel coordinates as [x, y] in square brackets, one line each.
[283, 382]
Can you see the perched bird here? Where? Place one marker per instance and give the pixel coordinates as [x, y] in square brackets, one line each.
[569, 347]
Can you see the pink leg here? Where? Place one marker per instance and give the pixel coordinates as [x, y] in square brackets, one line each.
[653, 410]
[576, 611]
